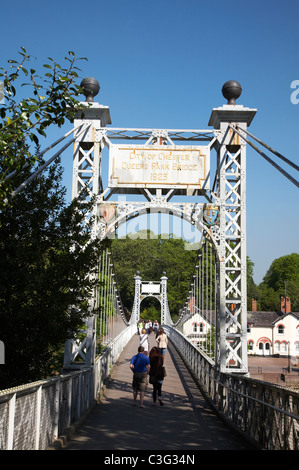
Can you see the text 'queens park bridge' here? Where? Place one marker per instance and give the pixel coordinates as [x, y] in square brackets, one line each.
[165, 169]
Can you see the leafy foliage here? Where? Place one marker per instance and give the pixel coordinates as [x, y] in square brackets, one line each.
[282, 277]
[46, 258]
[151, 256]
[45, 249]
[52, 100]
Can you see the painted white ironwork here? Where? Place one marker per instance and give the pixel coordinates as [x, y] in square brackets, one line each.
[227, 197]
[268, 414]
[159, 166]
[87, 173]
[156, 289]
[99, 330]
[197, 319]
[33, 416]
[231, 344]
[113, 214]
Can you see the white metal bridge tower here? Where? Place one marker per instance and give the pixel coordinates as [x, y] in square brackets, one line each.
[155, 289]
[226, 196]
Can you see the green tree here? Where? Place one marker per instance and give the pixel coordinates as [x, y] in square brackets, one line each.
[281, 277]
[50, 100]
[152, 256]
[46, 258]
[45, 248]
[268, 299]
[253, 291]
[150, 309]
[285, 268]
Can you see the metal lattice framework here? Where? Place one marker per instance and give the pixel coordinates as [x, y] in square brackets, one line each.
[200, 305]
[227, 197]
[231, 275]
[267, 413]
[98, 330]
[156, 289]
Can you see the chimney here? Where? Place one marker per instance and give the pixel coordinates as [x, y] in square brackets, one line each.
[285, 304]
[253, 305]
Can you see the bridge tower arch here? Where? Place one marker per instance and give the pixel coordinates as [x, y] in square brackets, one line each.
[226, 194]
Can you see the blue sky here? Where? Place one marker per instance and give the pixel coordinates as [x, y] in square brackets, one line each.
[162, 64]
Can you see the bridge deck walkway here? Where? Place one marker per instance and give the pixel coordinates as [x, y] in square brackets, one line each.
[184, 422]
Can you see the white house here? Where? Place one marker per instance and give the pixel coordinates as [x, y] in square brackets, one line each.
[268, 333]
[273, 333]
[197, 325]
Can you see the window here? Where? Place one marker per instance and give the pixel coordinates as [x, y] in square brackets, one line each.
[280, 329]
[277, 347]
[250, 345]
[194, 328]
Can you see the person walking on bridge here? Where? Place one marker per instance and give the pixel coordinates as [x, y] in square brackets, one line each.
[140, 365]
[156, 374]
[155, 327]
[144, 341]
[162, 341]
[140, 326]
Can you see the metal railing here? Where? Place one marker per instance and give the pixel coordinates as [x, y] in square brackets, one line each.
[266, 413]
[34, 415]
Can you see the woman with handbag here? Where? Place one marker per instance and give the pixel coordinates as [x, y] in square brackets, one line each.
[156, 374]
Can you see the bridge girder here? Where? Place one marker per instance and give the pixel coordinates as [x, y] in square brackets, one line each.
[228, 196]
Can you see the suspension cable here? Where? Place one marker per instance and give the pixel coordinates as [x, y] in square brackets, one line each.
[271, 150]
[40, 154]
[45, 165]
[289, 177]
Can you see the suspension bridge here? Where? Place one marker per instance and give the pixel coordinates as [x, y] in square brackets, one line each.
[209, 399]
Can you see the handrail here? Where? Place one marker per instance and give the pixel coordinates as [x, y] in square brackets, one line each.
[48, 407]
[251, 406]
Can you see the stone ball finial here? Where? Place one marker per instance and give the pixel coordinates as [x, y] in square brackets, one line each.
[91, 88]
[231, 91]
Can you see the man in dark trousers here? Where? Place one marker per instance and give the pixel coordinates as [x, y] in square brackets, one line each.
[140, 365]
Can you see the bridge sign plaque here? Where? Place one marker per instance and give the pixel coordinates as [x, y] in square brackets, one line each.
[150, 288]
[159, 166]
